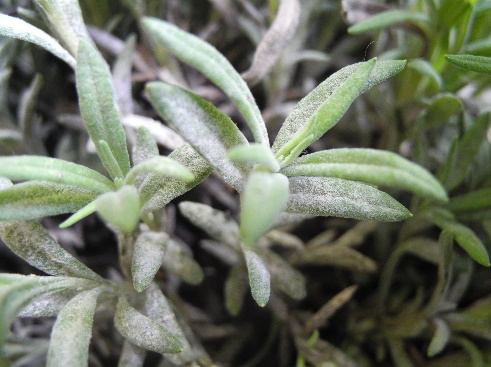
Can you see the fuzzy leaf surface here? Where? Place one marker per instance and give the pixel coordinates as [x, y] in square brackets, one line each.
[120, 208]
[209, 61]
[262, 201]
[143, 331]
[478, 64]
[32, 242]
[305, 111]
[145, 146]
[259, 277]
[371, 166]
[336, 197]
[387, 19]
[70, 338]
[207, 129]
[148, 254]
[97, 106]
[17, 28]
[53, 170]
[163, 166]
[157, 191]
[254, 154]
[36, 199]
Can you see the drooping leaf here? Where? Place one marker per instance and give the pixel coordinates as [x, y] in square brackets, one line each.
[387, 19]
[70, 338]
[181, 264]
[214, 222]
[26, 167]
[36, 199]
[274, 41]
[148, 255]
[371, 166]
[235, 289]
[327, 196]
[157, 191]
[17, 28]
[305, 112]
[145, 146]
[478, 64]
[163, 166]
[143, 331]
[97, 106]
[259, 277]
[32, 242]
[254, 154]
[206, 59]
[262, 201]
[120, 208]
[207, 129]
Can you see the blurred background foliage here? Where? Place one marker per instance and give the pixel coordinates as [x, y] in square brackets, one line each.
[378, 294]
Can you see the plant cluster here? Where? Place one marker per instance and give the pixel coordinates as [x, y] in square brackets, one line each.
[258, 195]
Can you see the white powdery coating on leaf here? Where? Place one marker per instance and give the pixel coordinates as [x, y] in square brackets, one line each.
[147, 258]
[342, 198]
[259, 277]
[48, 305]
[17, 28]
[215, 223]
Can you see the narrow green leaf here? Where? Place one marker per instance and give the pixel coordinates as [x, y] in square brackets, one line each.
[206, 59]
[328, 114]
[157, 191]
[471, 201]
[371, 166]
[215, 223]
[259, 277]
[36, 199]
[107, 156]
[262, 201]
[254, 154]
[148, 254]
[478, 64]
[440, 338]
[341, 198]
[235, 289]
[17, 28]
[143, 331]
[425, 68]
[162, 165]
[387, 19]
[207, 129]
[70, 338]
[479, 47]
[120, 209]
[79, 215]
[25, 167]
[27, 107]
[305, 112]
[97, 106]
[32, 242]
[181, 264]
[145, 146]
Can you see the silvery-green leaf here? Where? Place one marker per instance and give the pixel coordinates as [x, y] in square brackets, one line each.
[371, 166]
[235, 289]
[65, 19]
[80, 214]
[207, 129]
[122, 73]
[120, 208]
[163, 166]
[284, 277]
[148, 255]
[275, 41]
[464, 236]
[131, 355]
[215, 223]
[145, 146]
[48, 305]
[440, 338]
[181, 264]
[327, 196]
[158, 308]
[387, 19]
[17, 28]
[259, 277]
[36, 199]
[225, 253]
[157, 191]
[143, 331]
[32, 242]
[206, 59]
[254, 154]
[319, 105]
[25, 167]
[99, 112]
[479, 64]
[70, 338]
